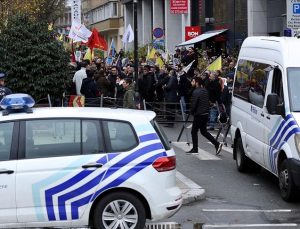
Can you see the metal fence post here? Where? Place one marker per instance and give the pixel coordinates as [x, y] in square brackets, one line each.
[101, 100]
[49, 100]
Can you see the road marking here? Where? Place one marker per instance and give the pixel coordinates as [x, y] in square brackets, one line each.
[249, 225]
[246, 210]
[202, 155]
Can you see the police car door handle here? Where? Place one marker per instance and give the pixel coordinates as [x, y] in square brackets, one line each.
[262, 114]
[3, 171]
[92, 165]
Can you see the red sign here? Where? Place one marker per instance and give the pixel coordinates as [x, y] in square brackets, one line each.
[191, 32]
[179, 6]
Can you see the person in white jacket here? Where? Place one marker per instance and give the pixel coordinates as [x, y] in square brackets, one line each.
[80, 75]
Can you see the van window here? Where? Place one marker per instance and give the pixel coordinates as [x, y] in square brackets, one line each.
[277, 86]
[120, 136]
[251, 81]
[6, 132]
[293, 77]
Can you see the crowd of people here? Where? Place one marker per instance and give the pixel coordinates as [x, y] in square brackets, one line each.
[155, 85]
[204, 94]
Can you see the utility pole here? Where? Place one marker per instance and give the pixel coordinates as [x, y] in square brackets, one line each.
[136, 60]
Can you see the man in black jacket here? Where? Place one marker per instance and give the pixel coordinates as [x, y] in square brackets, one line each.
[200, 110]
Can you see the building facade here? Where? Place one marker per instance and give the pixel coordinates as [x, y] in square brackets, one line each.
[107, 17]
[241, 18]
[155, 14]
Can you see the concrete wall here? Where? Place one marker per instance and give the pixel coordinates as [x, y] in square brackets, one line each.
[173, 28]
[146, 22]
[158, 14]
[276, 19]
[257, 17]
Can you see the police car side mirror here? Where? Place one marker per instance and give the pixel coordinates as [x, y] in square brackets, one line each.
[273, 105]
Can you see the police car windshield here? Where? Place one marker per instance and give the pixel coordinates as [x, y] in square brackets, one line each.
[161, 134]
[294, 86]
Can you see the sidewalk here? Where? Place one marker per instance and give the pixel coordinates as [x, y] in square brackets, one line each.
[191, 192]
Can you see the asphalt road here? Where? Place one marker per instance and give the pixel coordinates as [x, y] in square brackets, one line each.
[233, 199]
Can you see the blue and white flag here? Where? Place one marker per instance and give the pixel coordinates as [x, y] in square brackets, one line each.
[111, 53]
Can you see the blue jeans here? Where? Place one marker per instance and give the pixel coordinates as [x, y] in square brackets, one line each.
[213, 115]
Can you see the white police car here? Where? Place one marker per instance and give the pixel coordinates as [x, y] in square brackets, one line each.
[74, 167]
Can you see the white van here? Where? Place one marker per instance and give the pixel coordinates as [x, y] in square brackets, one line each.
[78, 167]
[265, 112]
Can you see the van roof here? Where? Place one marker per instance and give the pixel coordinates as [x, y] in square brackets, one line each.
[82, 112]
[282, 50]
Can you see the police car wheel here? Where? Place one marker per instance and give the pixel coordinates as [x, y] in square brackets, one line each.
[120, 210]
[241, 159]
[288, 190]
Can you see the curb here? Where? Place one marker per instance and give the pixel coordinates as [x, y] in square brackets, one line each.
[191, 191]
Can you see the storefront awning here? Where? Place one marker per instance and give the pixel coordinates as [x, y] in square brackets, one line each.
[202, 37]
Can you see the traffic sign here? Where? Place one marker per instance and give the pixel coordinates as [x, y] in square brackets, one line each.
[158, 32]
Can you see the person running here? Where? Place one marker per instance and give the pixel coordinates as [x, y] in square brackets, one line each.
[200, 110]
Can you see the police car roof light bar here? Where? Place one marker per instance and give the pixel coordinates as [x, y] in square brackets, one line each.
[17, 103]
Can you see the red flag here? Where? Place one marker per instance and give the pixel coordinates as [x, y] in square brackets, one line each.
[96, 41]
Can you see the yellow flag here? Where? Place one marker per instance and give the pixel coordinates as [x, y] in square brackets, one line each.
[151, 55]
[88, 55]
[216, 65]
[61, 37]
[160, 62]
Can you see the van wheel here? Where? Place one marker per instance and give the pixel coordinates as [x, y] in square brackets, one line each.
[242, 162]
[119, 210]
[288, 189]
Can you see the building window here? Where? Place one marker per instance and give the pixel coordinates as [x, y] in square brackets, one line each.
[105, 12]
[115, 9]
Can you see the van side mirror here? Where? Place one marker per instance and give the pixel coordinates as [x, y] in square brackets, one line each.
[273, 105]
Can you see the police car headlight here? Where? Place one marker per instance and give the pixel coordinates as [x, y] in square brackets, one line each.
[297, 142]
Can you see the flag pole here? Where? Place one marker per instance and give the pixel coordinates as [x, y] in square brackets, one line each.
[136, 63]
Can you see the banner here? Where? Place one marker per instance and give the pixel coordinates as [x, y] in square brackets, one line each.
[76, 11]
[179, 6]
[76, 101]
[79, 32]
